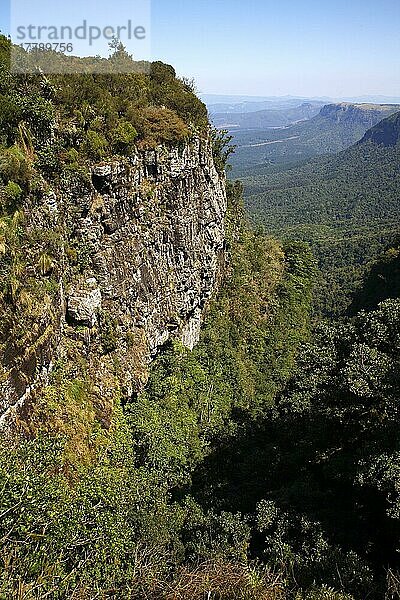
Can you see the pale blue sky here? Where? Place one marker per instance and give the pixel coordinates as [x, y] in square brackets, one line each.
[265, 47]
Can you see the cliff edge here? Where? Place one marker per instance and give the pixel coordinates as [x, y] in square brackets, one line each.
[111, 233]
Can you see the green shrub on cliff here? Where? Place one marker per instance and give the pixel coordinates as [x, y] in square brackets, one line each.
[96, 115]
[124, 137]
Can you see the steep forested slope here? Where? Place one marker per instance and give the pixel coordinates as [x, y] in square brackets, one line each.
[128, 521]
[382, 282]
[347, 207]
[320, 474]
[111, 243]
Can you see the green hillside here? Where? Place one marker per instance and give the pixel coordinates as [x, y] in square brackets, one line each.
[347, 206]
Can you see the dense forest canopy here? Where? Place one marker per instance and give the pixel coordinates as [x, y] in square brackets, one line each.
[346, 206]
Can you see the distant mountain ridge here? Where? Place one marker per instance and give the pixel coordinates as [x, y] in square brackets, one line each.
[361, 114]
[334, 128]
[242, 104]
[255, 106]
[261, 119]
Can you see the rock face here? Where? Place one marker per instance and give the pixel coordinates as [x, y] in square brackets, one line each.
[146, 239]
[156, 235]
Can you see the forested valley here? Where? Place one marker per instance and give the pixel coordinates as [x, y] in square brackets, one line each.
[346, 206]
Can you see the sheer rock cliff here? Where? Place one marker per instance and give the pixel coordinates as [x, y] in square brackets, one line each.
[140, 250]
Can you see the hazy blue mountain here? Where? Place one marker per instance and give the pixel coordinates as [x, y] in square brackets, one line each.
[217, 103]
[374, 99]
[211, 99]
[261, 119]
[251, 107]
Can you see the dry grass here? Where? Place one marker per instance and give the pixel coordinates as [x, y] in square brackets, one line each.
[222, 580]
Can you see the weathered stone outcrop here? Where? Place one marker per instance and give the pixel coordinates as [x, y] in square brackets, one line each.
[142, 253]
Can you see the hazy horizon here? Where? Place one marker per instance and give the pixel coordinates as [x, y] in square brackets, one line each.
[242, 98]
